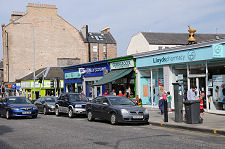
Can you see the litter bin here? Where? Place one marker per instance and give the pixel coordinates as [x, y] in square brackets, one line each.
[192, 111]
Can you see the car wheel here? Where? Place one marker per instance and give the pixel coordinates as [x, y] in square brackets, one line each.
[35, 116]
[45, 111]
[70, 113]
[90, 116]
[57, 113]
[7, 115]
[113, 119]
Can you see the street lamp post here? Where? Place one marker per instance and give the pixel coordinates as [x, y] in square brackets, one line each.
[33, 50]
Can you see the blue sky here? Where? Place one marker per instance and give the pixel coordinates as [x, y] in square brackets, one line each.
[128, 17]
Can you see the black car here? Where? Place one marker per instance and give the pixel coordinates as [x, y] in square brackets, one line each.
[116, 109]
[71, 104]
[46, 104]
[17, 107]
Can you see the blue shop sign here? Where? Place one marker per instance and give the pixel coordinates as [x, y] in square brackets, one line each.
[205, 53]
[13, 86]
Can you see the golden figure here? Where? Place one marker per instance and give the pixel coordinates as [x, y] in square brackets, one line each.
[191, 38]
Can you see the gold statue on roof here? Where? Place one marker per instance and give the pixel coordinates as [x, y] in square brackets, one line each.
[191, 38]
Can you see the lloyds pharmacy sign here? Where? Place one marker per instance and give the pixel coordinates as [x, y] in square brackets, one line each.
[122, 64]
[189, 56]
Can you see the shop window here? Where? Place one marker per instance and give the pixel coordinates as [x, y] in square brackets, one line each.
[216, 85]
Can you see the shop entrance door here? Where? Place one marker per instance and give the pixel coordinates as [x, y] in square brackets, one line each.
[97, 91]
[199, 82]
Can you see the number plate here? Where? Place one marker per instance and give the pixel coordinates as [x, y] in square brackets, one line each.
[138, 117]
[27, 112]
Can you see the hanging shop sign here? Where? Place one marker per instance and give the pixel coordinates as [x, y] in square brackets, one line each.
[72, 75]
[122, 64]
[92, 70]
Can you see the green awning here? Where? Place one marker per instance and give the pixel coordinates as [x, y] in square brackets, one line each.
[113, 75]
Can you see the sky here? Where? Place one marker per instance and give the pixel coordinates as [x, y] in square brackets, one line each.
[128, 17]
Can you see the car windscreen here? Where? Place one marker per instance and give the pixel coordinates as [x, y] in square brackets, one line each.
[50, 99]
[78, 97]
[18, 100]
[121, 101]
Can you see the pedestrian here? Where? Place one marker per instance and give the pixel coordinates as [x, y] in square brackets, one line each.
[120, 93]
[105, 93]
[191, 95]
[161, 101]
[169, 99]
[113, 93]
[202, 111]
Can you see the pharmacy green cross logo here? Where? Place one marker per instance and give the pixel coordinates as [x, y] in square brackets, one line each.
[191, 55]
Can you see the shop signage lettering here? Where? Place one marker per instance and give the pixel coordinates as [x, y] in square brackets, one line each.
[72, 75]
[167, 59]
[122, 64]
[91, 70]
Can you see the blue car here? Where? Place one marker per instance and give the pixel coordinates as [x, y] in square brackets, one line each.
[17, 107]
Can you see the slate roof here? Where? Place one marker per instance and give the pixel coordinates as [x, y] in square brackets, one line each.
[180, 48]
[94, 37]
[176, 38]
[53, 73]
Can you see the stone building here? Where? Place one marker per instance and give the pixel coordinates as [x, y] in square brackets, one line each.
[54, 40]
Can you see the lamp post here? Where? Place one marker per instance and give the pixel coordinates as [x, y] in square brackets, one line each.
[33, 50]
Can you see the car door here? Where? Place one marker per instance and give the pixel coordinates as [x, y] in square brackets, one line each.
[1, 104]
[97, 107]
[64, 104]
[104, 109]
[37, 104]
[4, 106]
[42, 103]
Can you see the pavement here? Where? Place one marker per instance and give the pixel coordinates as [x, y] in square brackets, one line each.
[212, 123]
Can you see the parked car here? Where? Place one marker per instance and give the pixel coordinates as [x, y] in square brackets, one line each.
[116, 109]
[46, 104]
[71, 104]
[17, 107]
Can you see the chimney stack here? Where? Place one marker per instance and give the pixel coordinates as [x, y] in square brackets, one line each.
[16, 15]
[85, 31]
[105, 30]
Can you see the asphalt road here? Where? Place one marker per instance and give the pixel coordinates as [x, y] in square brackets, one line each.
[51, 132]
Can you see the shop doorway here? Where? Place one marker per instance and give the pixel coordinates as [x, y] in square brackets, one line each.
[199, 82]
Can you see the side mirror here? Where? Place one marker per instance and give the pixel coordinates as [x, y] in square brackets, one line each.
[105, 103]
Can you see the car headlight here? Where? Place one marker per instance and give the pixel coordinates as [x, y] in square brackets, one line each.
[15, 109]
[146, 111]
[124, 112]
[34, 108]
[78, 106]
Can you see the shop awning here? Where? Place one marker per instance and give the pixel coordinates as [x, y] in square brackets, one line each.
[113, 75]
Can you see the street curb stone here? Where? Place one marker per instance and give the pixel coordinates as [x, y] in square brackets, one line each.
[214, 131]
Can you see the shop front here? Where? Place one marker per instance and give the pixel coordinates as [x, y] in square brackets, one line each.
[41, 89]
[121, 77]
[80, 78]
[202, 65]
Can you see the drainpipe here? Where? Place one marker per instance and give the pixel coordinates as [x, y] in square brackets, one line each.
[7, 49]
